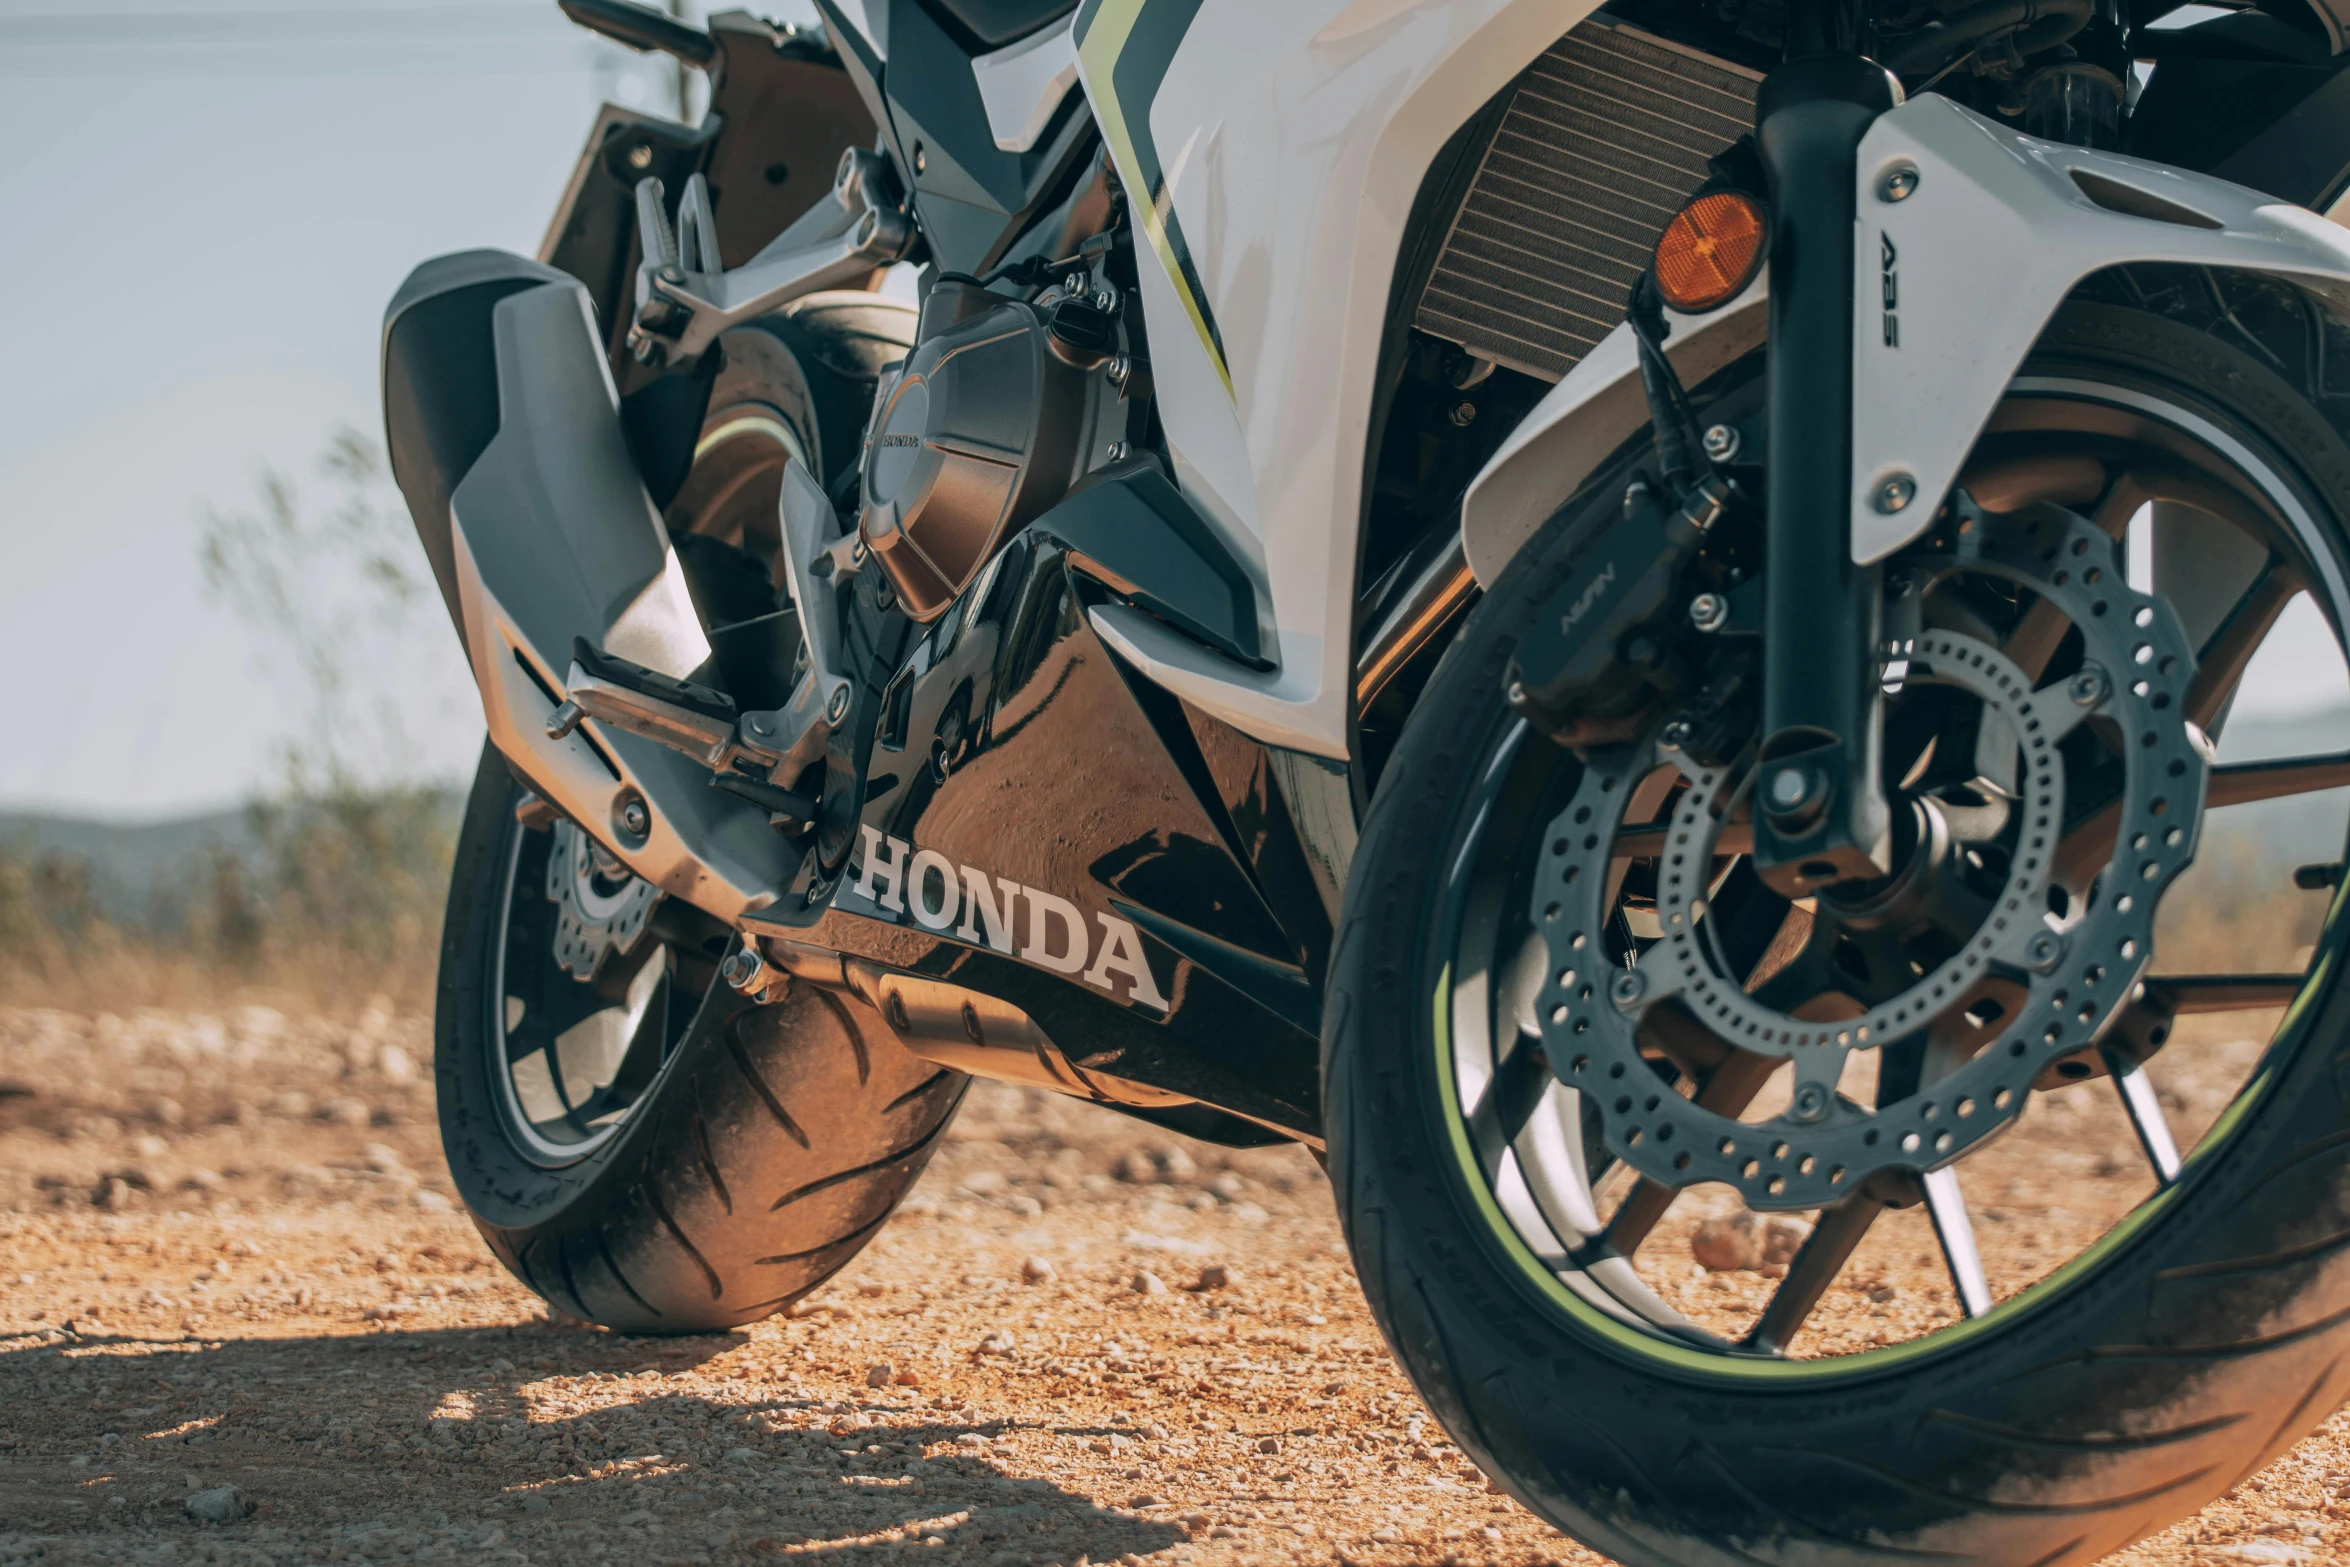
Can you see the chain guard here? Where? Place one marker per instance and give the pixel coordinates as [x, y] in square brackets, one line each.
[2076, 974]
[593, 918]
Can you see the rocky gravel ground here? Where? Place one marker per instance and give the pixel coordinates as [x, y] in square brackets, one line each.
[242, 1321]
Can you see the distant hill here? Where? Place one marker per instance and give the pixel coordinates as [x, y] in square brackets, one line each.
[137, 869]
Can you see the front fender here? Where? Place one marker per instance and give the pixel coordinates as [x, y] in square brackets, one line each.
[1957, 281]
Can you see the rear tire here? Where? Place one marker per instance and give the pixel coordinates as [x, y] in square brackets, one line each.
[758, 1161]
[2199, 1340]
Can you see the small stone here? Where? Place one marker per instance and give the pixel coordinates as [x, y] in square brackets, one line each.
[430, 1201]
[343, 1112]
[1144, 1500]
[1148, 1283]
[1152, 1431]
[999, 1342]
[1037, 1270]
[1884, 1293]
[1217, 1276]
[742, 1454]
[971, 1439]
[1782, 1238]
[880, 1374]
[1728, 1245]
[1269, 1444]
[220, 1504]
[535, 1503]
[908, 1377]
[1136, 1167]
[1177, 1166]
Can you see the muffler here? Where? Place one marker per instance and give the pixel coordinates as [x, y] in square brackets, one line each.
[503, 425]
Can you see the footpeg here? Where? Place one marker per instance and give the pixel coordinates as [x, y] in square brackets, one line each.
[756, 755]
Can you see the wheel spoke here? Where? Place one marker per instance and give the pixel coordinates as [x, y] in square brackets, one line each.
[2242, 783]
[1822, 1256]
[2144, 1108]
[1727, 1090]
[2221, 662]
[2180, 994]
[1946, 1205]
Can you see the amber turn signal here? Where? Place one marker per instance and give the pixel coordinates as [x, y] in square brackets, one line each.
[1709, 252]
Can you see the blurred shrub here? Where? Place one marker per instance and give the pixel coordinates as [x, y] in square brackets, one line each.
[338, 903]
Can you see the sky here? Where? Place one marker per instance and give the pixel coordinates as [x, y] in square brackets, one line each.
[210, 201]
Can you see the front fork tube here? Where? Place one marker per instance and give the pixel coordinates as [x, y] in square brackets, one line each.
[1819, 802]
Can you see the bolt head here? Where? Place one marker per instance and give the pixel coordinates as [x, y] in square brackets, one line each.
[2088, 687]
[640, 156]
[1722, 442]
[1464, 414]
[1894, 494]
[2044, 951]
[1516, 694]
[1676, 734]
[757, 724]
[1628, 987]
[635, 818]
[1899, 184]
[1810, 1102]
[1789, 788]
[1708, 611]
[837, 708]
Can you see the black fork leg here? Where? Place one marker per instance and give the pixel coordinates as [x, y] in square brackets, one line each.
[1820, 812]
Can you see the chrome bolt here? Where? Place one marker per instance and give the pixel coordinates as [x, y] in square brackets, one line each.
[1464, 414]
[1709, 611]
[1899, 184]
[1105, 299]
[563, 720]
[837, 708]
[1722, 442]
[1810, 1102]
[2087, 687]
[640, 156]
[1790, 787]
[921, 159]
[635, 820]
[740, 967]
[1516, 694]
[1626, 989]
[1118, 451]
[1120, 369]
[2044, 951]
[1895, 494]
[1676, 735]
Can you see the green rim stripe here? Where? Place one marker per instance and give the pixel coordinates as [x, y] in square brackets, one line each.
[1868, 1362]
[1125, 47]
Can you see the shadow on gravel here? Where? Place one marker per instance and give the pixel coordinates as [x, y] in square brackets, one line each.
[379, 1444]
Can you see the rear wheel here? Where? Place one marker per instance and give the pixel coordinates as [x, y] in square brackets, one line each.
[1639, 1160]
[643, 1147]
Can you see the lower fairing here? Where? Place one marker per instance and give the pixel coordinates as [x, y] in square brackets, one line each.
[1043, 827]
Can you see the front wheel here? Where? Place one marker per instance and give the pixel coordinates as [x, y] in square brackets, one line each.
[1725, 1229]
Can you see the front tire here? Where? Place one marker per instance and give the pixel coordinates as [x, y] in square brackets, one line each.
[2200, 1338]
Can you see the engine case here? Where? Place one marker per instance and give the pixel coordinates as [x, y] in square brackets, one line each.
[987, 426]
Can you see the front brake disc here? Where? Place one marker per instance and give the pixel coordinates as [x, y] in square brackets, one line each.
[2075, 972]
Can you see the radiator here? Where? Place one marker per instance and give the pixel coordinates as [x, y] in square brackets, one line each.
[1604, 137]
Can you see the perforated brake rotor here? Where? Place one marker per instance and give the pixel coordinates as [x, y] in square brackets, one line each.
[600, 908]
[2074, 973]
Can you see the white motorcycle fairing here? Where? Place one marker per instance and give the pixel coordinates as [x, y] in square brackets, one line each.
[1957, 281]
[1271, 154]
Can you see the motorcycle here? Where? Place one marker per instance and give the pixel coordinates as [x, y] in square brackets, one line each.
[1573, 606]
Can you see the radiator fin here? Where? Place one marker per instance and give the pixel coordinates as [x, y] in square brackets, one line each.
[1604, 137]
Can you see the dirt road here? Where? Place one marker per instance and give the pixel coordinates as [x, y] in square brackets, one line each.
[229, 1258]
